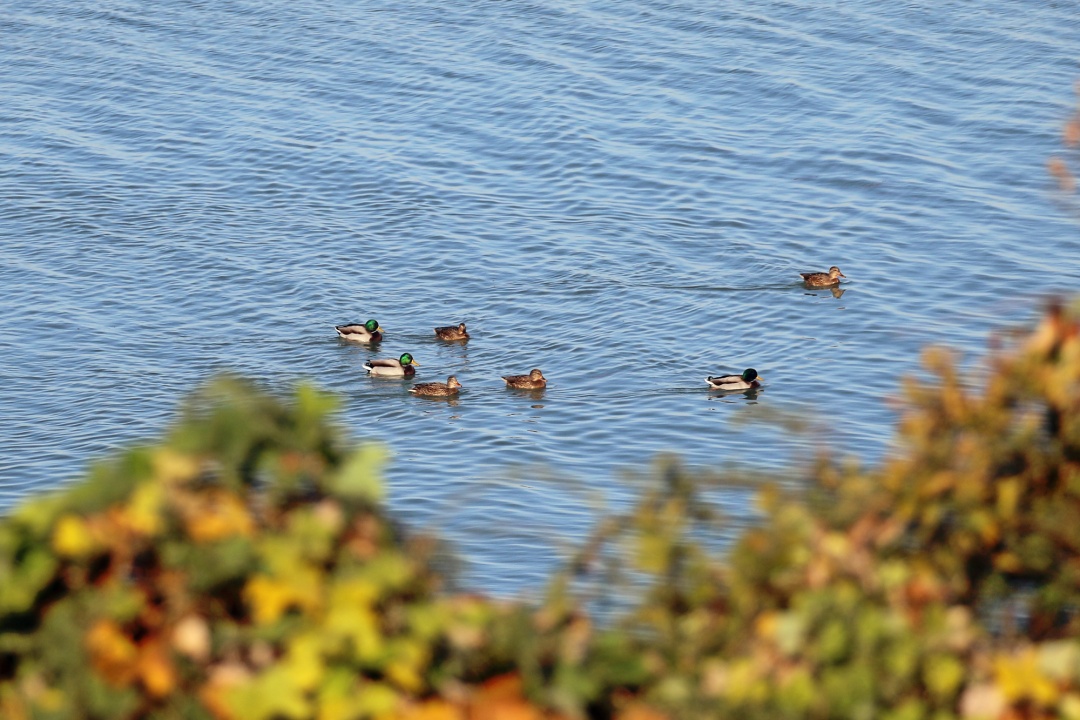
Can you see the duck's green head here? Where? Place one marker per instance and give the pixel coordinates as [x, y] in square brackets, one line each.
[750, 375]
[371, 325]
[407, 359]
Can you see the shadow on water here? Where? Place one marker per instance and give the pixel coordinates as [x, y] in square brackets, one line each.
[751, 394]
[534, 394]
[835, 292]
[448, 400]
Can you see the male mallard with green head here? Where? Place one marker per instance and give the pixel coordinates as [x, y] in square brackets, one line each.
[437, 389]
[405, 366]
[747, 381]
[368, 332]
[535, 380]
[451, 332]
[823, 280]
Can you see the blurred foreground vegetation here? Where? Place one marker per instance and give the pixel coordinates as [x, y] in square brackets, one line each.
[244, 568]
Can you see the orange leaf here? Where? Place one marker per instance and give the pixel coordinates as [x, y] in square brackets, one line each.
[433, 710]
[156, 669]
[503, 687]
[218, 515]
[501, 698]
[505, 710]
[112, 653]
[641, 712]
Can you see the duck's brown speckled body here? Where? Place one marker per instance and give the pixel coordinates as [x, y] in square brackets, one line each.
[823, 280]
[437, 389]
[452, 332]
[535, 380]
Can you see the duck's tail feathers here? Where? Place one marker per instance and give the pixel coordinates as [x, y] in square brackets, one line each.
[368, 366]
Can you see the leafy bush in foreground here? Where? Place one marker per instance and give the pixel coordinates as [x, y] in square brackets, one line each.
[244, 569]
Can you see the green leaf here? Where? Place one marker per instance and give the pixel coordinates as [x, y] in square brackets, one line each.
[359, 478]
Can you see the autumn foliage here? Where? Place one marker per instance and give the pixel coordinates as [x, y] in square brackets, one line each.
[244, 568]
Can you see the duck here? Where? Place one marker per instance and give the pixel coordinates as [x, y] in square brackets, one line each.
[437, 389]
[823, 280]
[404, 366]
[368, 332]
[747, 381]
[452, 333]
[535, 380]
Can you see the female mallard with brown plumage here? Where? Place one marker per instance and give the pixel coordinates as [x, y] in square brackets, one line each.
[368, 332]
[451, 332]
[823, 280]
[437, 389]
[404, 366]
[747, 381]
[535, 380]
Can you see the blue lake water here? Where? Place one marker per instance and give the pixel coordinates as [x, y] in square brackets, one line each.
[619, 193]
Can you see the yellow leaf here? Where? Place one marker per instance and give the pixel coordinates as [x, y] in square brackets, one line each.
[1008, 496]
[376, 699]
[72, 537]
[171, 466]
[1020, 678]
[1070, 707]
[1007, 562]
[268, 599]
[1060, 660]
[652, 552]
[304, 661]
[943, 675]
[405, 675]
[765, 624]
[144, 509]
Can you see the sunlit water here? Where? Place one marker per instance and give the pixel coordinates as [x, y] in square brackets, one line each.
[619, 193]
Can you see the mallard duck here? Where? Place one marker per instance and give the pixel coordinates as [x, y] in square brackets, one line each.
[368, 332]
[404, 366]
[823, 280]
[437, 389]
[452, 333]
[535, 380]
[747, 381]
